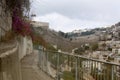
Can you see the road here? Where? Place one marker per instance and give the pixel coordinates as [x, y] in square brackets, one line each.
[30, 70]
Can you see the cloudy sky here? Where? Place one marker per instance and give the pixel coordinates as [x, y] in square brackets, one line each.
[68, 15]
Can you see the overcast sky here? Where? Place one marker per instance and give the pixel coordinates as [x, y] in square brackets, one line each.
[68, 15]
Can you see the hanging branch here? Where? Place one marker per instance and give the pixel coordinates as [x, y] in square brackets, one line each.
[18, 9]
[21, 5]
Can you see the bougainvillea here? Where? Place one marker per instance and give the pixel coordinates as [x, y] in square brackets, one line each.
[18, 10]
[20, 26]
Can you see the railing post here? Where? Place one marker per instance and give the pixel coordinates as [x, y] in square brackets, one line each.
[76, 69]
[112, 73]
[58, 60]
[40, 58]
[47, 62]
[42, 62]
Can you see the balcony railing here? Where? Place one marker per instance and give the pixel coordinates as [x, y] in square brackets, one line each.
[66, 66]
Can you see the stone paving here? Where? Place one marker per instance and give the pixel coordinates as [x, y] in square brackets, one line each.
[30, 70]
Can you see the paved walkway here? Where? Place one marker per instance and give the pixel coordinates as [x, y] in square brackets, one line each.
[30, 70]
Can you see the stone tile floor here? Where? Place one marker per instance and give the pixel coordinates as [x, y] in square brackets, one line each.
[30, 70]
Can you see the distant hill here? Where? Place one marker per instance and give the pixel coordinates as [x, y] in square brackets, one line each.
[52, 37]
[80, 33]
[71, 40]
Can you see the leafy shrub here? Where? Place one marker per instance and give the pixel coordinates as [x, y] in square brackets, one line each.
[38, 40]
[79, 51]
[18, 9]
[110, 49]
[68, 75]
[95, 46]
[20, 26]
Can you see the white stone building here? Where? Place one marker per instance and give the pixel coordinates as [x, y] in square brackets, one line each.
[43, 25]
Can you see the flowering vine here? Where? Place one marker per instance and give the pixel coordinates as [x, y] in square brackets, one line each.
[18, 10]
[20, 25]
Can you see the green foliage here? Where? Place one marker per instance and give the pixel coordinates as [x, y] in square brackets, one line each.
[87, 33]
[87, 47]
[38, 40]
[94, 46]
[68, 75]
[103, 45]
[18, 9]
[110, 49]
[110, 58]
[61, 33]
[50, 47]
[80, 51]
[23, 5]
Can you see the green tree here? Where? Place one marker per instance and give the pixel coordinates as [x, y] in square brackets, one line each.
[87, 47]
[80, 51]
[110, 49]
[94, 46]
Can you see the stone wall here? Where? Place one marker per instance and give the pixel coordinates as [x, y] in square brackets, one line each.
[10, 65]
[25, 46]
[5, 18]
[10, 58]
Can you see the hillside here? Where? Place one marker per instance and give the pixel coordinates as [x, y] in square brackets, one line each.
[93, 35]
[71, 40]
[53, 38]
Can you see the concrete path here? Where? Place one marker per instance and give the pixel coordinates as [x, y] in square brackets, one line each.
[30, 70]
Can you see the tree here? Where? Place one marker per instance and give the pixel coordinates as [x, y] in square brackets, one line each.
[95, 46]
[79, 51]
[110, 49]
[19, 11]
[103, 45]
[87, 47]
[61, 33]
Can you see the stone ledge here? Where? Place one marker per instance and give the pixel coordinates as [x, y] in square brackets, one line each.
[8, 52]
[4, 47]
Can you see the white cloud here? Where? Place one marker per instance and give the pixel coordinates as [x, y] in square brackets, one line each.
[63, 23]
[75, 14]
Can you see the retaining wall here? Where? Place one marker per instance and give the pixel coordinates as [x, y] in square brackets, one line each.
[5, 18]
[10, 66]
[25, 46]
[10, 59]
